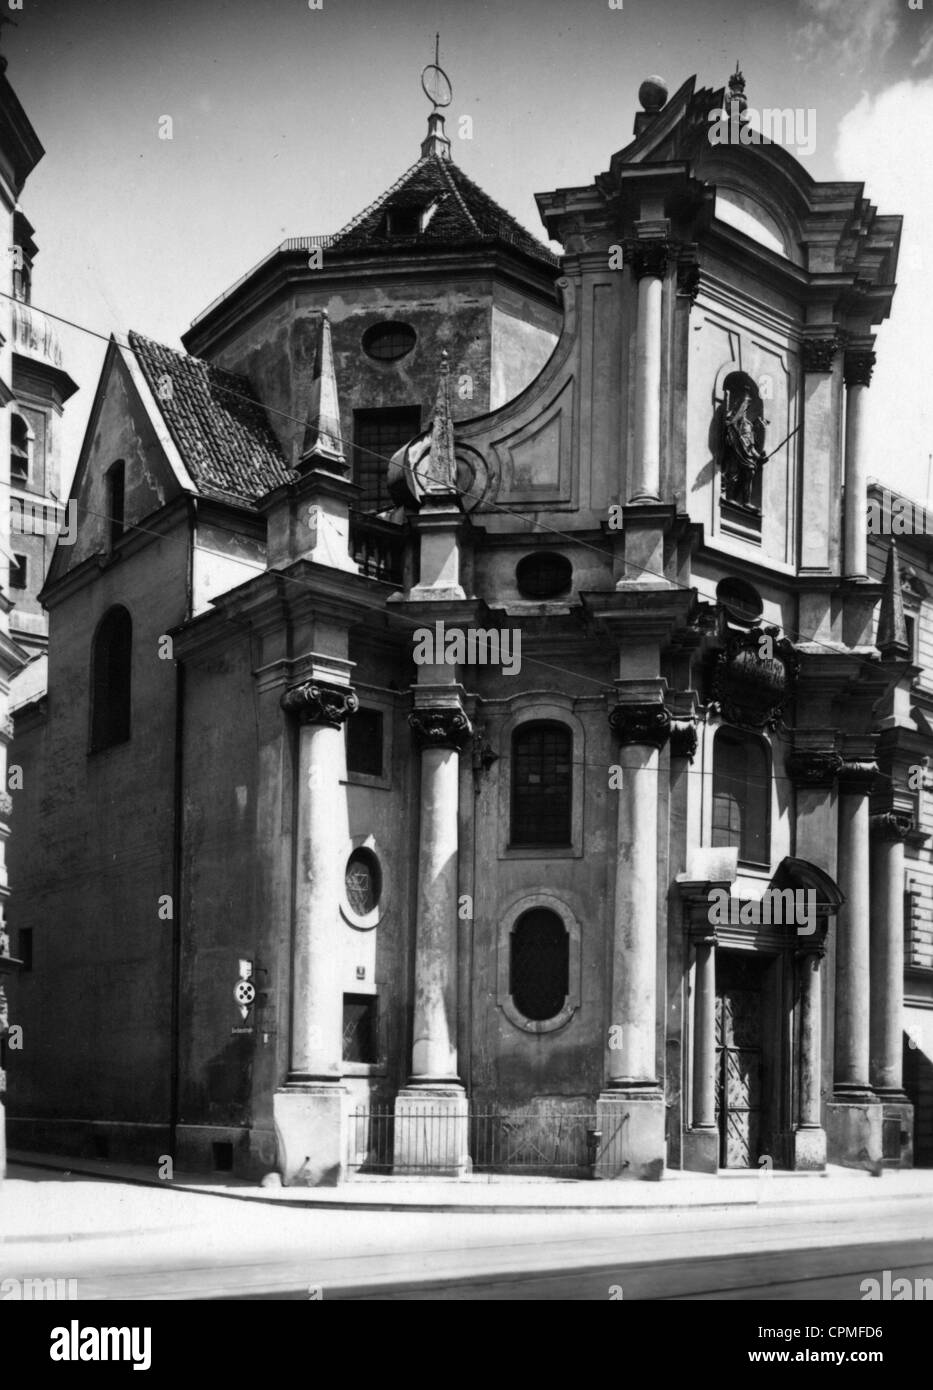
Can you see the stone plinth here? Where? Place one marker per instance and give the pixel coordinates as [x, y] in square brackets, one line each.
[431, 1131]
[633, 1143]
[311, 1133]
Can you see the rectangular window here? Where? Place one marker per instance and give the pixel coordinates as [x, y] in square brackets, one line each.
[18, 572]
[364, 742]
[377, 435]
[359, 1028]
[911, 636]
[542, 784]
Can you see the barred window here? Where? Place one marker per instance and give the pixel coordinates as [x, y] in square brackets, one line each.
[741, 795]
[377, 435]
[111, 662]
[539, 964]
[542, 789]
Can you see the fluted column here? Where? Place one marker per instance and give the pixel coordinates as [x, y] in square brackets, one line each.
[858, 363]
[309, 1110]
[887, 953]
[649, 264]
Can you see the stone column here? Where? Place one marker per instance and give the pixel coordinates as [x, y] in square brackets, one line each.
[310, 1112]
[809, 1135]
[649, 264]
[858, 363]
[431, 1111]
[631, 1109]
[854, 1116]
[887, 975]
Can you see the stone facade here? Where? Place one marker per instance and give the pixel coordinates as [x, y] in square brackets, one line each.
[358, 899]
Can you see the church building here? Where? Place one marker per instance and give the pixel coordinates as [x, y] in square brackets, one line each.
[466, 694]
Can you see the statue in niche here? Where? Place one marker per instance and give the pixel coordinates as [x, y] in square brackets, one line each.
[742, 454]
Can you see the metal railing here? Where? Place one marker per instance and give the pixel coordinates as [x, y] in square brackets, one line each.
[431, 1140]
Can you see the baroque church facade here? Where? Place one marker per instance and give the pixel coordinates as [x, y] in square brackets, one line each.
[337, 898]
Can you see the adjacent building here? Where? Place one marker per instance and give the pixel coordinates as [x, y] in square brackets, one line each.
[468, 710]
[20, 152]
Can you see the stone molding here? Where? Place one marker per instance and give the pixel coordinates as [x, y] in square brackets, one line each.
[889, 825]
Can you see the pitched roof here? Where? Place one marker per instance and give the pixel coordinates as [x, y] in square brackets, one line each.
[219, 426]
[463, 213]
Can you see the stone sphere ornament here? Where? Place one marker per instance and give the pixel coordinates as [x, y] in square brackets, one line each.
[653, 93]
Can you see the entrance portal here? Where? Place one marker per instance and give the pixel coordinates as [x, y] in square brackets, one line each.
[740, 1073]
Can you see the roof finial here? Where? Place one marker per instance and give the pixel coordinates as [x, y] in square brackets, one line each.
[737, 100]
[436, 86]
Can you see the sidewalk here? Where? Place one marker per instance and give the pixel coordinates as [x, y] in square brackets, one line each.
[491, 1193]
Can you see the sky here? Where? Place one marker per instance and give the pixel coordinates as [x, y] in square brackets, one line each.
[288, 120]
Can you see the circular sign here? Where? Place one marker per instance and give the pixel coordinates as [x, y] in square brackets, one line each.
[244, 993]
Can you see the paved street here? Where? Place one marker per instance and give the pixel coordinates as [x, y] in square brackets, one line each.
[144, 1242]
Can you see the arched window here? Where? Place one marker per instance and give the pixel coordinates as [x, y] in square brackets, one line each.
[20, 440]
[742, 795]
[116, 486]
[542, 789]
[111, 665]
[539, 964]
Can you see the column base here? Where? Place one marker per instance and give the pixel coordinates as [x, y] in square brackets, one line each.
[808, 1151]
[701, 1150]
[853, 1130]
[633, 1142]
[897, 1135]
[431, 1131]
[311, 1133]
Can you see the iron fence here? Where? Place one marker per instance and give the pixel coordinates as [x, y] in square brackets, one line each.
[431, 1140]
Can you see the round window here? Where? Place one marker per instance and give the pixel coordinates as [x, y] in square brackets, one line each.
[741, 601]
[389, 342]
[543, 574]
[363, 882]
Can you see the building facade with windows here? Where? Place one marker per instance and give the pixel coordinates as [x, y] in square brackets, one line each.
[521, 815]
[20, 152]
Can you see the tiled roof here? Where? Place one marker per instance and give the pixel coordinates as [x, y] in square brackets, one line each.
[218, 425]
[463, 213]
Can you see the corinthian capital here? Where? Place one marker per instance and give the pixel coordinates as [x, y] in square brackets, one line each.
[649, 256]
[317, 703]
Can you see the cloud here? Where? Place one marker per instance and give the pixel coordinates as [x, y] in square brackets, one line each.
[844, 36]
[871, 146]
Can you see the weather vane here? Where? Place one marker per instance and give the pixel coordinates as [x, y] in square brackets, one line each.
[434, 81]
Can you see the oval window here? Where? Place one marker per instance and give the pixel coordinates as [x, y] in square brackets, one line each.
[363, 882]
[539, 964]
[741, 600]
[543, 574]
[389, 342]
